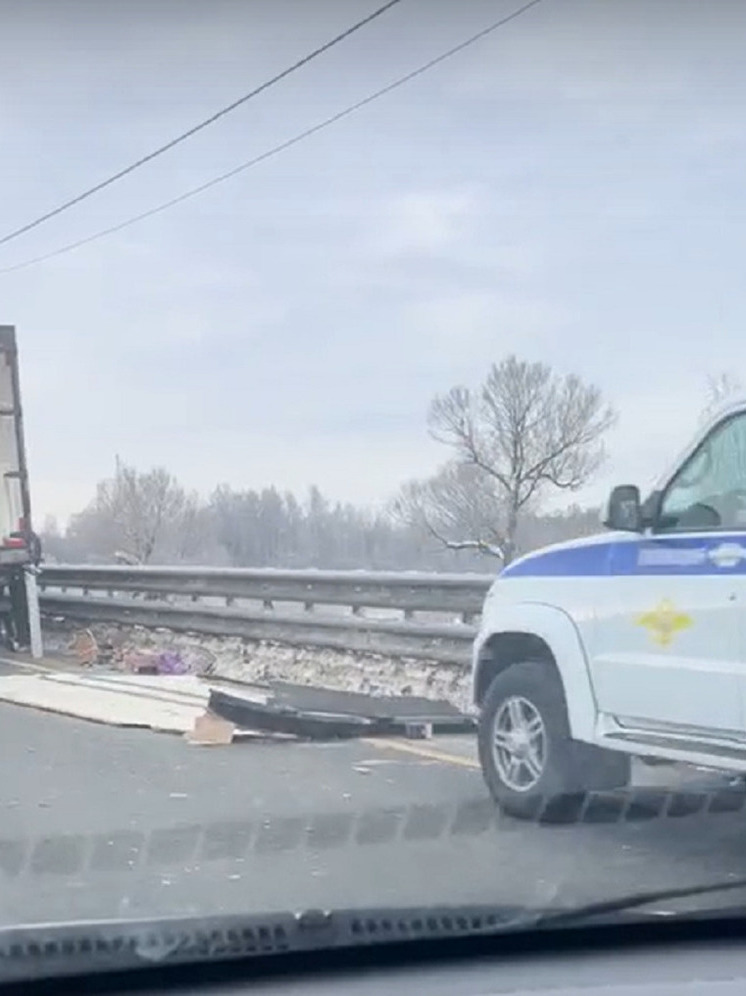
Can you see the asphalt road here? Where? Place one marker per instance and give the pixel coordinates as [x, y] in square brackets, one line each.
[108, 822]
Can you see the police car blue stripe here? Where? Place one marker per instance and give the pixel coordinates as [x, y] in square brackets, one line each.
[665, 555]
[577, 561]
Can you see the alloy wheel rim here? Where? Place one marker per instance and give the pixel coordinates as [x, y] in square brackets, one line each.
[519, 744]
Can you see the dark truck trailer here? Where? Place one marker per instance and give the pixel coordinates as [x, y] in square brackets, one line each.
[20, 550]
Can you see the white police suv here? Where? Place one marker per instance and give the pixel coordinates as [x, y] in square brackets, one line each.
[632, 642]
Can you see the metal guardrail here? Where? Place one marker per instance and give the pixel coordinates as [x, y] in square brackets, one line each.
[244, 603]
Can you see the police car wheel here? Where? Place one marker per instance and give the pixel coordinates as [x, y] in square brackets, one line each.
[532, 767]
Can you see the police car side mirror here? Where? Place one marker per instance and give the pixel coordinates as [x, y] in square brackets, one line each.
[624, 510]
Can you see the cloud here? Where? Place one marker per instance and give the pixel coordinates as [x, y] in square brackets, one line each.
[471, 330]
[421, 242]
[604, 53]
[423, 221]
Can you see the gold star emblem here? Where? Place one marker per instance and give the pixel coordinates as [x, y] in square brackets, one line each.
[664, 622]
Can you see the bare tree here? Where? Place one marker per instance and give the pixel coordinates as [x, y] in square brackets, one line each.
[524, 432]
[134, 513]
[459, 506]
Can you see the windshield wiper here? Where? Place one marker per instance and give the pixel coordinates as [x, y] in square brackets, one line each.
[633, 901]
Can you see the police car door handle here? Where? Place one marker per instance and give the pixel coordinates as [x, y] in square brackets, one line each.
[727, 554]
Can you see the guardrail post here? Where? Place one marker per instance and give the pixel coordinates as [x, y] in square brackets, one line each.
[34, 616]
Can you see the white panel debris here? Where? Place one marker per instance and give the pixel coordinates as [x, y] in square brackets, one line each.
[171, 704]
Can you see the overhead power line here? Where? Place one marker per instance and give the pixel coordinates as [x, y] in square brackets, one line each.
[275, 150]
[199, 127]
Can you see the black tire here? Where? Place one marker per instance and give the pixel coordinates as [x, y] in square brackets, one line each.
[570, 769]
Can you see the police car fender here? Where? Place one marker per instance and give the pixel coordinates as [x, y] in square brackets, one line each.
[555, 627]
[545, 594]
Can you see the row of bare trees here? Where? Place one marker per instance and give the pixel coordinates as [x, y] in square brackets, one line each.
[148, 517]
[521, 436]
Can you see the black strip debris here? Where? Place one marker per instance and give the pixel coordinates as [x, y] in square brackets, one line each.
[311, 713]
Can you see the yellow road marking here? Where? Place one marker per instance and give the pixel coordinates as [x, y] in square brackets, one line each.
[428, 753]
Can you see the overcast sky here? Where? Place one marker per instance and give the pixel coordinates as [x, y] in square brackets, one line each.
[571, 189]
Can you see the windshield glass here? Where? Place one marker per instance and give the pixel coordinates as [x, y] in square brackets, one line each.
[326, 330]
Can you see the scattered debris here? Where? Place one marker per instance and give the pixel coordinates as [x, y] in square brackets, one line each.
[141, 662]
[250, 661]
[278, 718]
[322, 714]
[163, 662]
[418, 731]
[85, 647]
[404, 707]
[211, 730]
[170, 703]
[171, 662]
[158, 690]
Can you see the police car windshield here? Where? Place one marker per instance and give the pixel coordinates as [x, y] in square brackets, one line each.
[694, 472]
